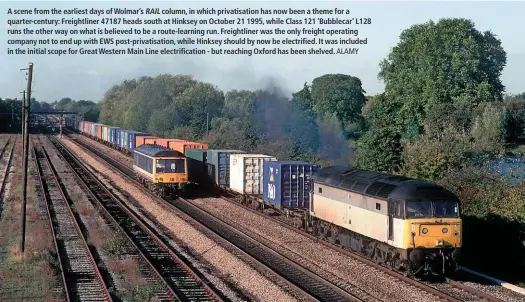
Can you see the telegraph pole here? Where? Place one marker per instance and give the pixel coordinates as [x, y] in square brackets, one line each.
[22, 122]
[26, 153]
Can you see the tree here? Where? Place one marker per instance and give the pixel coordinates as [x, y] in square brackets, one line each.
[379, 148]
[444, 62]
[338, 94]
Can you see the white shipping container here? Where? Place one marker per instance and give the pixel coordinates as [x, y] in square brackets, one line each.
[246, 172]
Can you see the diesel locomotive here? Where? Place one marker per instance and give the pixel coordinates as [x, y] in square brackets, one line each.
[408, 224]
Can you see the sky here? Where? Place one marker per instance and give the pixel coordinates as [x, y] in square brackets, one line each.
[88, 77]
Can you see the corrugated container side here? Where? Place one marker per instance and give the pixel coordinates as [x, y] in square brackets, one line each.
[117, 136]
[141, 140]
[113, 135]
[218, 166]
[286, 184]
[105, 133]
[196, 161]
[165, 142]
[99, 131]
[133, 139]
[182, 145]
[246, 172]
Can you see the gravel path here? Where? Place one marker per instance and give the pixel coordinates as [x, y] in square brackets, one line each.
[223, 261]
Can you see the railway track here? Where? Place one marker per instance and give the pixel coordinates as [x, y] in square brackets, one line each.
[409, 280]
[313, 285]
[80, 274]
[434, 290]
[7, 167]
[181, 282]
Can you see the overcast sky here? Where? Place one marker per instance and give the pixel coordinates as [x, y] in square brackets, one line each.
[88, 77]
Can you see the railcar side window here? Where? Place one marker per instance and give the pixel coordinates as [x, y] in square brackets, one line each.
[378, 206]
[320, 190]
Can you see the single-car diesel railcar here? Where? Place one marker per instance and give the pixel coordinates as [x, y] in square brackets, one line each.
[161, 169]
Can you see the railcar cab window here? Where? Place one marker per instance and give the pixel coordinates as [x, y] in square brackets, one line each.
[426, 209]
[170, 166]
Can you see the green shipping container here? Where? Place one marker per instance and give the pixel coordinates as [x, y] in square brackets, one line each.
[196, 162]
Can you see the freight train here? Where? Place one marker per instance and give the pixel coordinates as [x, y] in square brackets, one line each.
[407, 224]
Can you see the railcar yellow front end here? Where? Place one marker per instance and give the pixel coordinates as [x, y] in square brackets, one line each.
[161, 169]
[170, 171]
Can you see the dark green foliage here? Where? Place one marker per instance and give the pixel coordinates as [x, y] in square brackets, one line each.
[11, 113]
[338, 94]
[87, 110]
[380, 147]
[11, 116]
[444, 62]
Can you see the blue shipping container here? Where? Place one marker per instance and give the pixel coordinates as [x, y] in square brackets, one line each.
[219, 165]
[286, 184]
[117, 136]
[131, 137]
[113, 135]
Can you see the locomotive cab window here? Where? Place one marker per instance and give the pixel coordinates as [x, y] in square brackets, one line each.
[320, 190]
[378, 206]
[428, 208]
[396, 208]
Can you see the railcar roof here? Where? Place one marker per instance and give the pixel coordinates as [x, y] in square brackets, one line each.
[158, 151]
[380, 185]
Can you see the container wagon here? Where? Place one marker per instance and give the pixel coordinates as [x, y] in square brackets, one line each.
[130, 137]
[141, 140]
[246, 177]
[218, 166]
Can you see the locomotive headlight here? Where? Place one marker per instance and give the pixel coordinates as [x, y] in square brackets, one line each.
[444, 230]
[424, 230]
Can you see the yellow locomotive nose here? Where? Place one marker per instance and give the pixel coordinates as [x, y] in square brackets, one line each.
[437, 234]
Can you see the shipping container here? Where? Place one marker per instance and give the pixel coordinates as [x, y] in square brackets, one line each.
[99, 131]
[182, 145]
[141, 140]
[196, 163]
[113, 135]
[131, 137]
[105, 133]
[218, 165]
[286, 184]
[165, 142]
[246, 172]
[120, 138]
[118, 132]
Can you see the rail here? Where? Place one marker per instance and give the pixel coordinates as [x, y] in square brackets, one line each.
[182, 282]
[80, 274]
[309, 282]
[458, 285]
